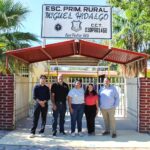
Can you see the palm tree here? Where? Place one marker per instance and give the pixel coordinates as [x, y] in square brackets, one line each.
[17, 39]
[11, 17]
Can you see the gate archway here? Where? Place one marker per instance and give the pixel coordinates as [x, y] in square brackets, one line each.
[82, 48]
[90, 54]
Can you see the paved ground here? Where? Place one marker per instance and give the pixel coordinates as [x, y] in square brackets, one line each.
[128, 138]
[10, 147]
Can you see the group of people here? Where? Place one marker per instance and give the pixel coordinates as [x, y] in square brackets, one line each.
[79, 102]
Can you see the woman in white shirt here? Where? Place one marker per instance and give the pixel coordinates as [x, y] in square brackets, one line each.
[76, 107]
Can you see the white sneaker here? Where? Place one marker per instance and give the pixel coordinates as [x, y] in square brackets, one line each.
[73, 134]
[32, 136]
[80, 133]
[42, 135]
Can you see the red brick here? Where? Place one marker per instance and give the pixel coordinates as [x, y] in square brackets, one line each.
[143, 118]
[8, 118]
[11, 84]
[10, 103]
[143, 90]
[6, 101]
[146, 114]
[143, 97]
[142, 79]
[144, 107]
[148, 83]
[8, 115]
[9, 109]
[10, 81]
[143, 83]
[143, 130]
[145, 86]
[8, 77]
[142, 115]
[3, 81]
[143, 94]
[144, 121]
[148, 90]
[144, 102]
[3, 91]
[3, 109]
[6, 94]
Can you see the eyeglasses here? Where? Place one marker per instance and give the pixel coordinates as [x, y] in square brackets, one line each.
[43, 78]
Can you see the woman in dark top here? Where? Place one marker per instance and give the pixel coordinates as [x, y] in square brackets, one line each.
[91, 108]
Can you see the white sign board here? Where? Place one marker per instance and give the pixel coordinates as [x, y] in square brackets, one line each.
[76, 21]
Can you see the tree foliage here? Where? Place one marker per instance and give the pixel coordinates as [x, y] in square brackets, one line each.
[131, 30]
[131, 24]
[11, 16]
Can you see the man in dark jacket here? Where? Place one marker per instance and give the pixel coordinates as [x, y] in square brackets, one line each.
[41, 95]
[59, 92]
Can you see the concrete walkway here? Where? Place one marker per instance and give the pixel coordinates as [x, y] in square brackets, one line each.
[127, 138]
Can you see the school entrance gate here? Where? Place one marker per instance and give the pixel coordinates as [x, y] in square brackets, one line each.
[118, 82]
[134, 92]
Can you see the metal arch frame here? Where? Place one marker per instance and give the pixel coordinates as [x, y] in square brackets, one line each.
[76, 49]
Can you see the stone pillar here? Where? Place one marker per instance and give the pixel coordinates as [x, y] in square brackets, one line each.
[7, 102]
[144, 108]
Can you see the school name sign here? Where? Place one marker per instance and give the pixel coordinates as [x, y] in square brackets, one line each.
[76, 21]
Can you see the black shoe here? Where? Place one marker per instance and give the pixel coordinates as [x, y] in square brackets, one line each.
[114, 135]
[63, 133]
[105, 133]
[54, 133]
[41, 131]
[91, 133]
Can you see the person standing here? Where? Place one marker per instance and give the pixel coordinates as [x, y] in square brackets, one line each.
[76, 107]
[109, 100]
[59, 92]
[41, 95]
[91, 108]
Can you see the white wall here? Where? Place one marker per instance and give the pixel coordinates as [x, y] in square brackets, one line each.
[21, 86]
[132, 99]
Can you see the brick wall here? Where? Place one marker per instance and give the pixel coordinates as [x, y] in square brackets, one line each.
[6, 102]
[144, 116]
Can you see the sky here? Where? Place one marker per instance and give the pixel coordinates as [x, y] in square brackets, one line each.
[32, 23]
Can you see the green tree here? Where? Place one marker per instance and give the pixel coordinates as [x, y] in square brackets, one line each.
[131, 24]
[131, 29]
[11, 17]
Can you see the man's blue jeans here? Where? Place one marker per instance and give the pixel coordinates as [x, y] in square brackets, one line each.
[76, 116]
[59, 112]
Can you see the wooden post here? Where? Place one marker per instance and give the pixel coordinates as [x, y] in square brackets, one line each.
[109, 69]
[48, 67]
[6, 64]
[145, 71]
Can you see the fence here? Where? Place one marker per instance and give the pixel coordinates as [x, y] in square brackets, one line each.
[118, 82]
[21, 97]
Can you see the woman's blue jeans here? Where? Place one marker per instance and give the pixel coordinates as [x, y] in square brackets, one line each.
[76, 117]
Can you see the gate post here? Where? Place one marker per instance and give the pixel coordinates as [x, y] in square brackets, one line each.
[7, 102]
[144, 105]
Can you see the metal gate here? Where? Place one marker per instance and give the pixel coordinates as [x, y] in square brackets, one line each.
[118, 82]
